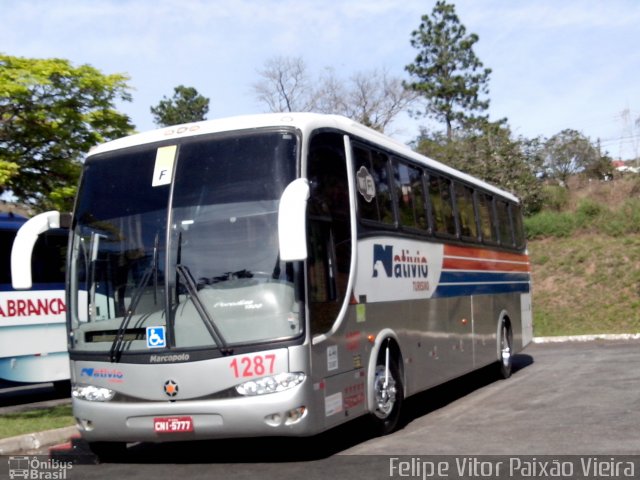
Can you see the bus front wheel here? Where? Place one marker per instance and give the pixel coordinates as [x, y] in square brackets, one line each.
[388, 395]
[108, 451]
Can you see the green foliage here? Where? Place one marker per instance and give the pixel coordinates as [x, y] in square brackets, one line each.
[623, 221]
[488, 151]
[51, 114]
[38, 420]
[631, 212]
[446, 70]
[587, 212]
[554, 197]
[62, 197]
[7, 171]
[589, 216]
[186, 106]
[550, 224]
[599, 167]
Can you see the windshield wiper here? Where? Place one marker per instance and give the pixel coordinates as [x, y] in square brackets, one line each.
[118, 342]
[152, 270]
[213, 329]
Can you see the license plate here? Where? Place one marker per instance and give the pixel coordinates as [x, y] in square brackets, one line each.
[172, 424]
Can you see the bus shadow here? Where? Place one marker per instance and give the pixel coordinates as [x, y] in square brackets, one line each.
[319, 447]
[442, 395]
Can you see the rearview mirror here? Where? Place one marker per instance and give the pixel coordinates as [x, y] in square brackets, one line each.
[292, 213]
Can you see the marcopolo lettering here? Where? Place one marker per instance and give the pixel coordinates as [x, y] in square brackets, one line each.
[30, 307]
[401, 265]
[177, 357]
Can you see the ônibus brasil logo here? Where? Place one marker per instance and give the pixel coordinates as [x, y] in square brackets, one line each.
[401, 265]
[36, 468]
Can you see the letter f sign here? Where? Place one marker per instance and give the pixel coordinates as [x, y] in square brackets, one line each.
[163, 167]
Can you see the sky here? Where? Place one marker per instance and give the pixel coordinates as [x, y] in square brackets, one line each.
[555, 64]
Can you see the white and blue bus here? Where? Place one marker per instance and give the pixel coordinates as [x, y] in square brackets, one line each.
[281, 274]
[33, 339]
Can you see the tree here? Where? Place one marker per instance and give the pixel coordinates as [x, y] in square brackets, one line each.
[186, 106]
[373, 98]
[487, 150]
[568, 153]
[285, 85]
[51, 114]
[601, 165]
[446, 70]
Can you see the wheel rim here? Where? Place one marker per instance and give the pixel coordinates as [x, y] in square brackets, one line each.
[505, 347]
[385, 395]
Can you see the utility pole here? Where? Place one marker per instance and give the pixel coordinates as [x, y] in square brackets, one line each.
[630, 133]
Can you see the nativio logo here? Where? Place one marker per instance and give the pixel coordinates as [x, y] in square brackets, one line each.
[402, 265]
[113, 376]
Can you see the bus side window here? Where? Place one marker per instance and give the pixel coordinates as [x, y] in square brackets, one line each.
[487, 221]
[410, 195]
[379, 207]
[383, 187]
[466, 212]
[504, 224]
[441, 206]
[518, 227]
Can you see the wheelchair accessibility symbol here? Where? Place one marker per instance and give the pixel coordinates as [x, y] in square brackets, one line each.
[155, 337]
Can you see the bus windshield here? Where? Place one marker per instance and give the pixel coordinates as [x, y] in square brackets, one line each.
[176, 246]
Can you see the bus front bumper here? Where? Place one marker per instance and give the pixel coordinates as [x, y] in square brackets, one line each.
[277, 414]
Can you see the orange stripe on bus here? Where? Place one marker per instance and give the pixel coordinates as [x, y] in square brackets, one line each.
[485, 265]
[481, 253]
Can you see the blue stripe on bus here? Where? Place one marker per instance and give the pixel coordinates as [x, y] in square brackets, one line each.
[480, 289]
[478, 277]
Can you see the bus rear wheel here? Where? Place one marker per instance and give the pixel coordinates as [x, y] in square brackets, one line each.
[388, 395]
[505, 362]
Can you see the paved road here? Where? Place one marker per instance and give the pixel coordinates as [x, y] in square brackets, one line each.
[563, 399]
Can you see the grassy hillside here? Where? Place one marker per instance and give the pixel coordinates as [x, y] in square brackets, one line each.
[587, 283]
[585, 254]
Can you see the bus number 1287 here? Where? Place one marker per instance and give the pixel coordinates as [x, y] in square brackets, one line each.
[257, 365]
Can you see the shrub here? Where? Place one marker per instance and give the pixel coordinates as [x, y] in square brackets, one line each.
[554, 197]
[588, 212]
[550, 224]
[623, 221]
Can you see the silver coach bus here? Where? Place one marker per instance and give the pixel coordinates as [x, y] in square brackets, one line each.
[278, 275]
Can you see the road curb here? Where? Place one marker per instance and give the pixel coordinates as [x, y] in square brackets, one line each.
[587, 338]
[34, 441]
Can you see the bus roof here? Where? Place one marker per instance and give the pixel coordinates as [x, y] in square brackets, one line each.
[305, 122]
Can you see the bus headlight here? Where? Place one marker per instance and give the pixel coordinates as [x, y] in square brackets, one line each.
[272, 384]
[92, 393]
